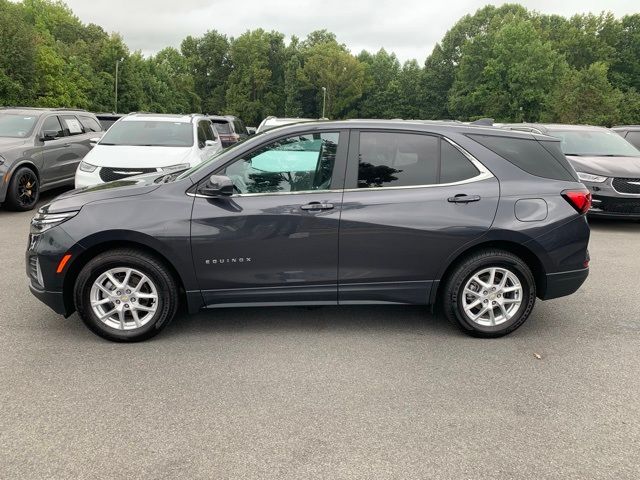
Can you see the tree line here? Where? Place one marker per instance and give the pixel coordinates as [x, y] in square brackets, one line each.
[505, 62]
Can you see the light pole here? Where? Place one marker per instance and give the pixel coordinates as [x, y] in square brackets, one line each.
[324, 99]
[115, 110]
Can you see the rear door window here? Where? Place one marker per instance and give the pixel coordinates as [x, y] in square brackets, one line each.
[634, 139]
[542, 159]
[389, 159]
[455, 166]
[222, 126]
[71, 125]
[89, 124]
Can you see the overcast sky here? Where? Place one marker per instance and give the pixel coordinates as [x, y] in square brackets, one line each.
[410, 28]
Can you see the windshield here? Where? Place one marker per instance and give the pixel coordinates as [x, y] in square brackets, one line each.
[149, 133]
[16, 126]
[594, 143]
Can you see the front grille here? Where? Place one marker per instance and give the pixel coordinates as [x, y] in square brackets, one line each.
[108, 174]
[617, 205]
[624, 185]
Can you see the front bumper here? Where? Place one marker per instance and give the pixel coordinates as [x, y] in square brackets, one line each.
[615, 207]
[610, 203]
[563, 283]
[5, 176]
[53, 300]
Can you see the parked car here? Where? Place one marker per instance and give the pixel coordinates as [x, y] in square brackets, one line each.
[108, 119]
[273, 122]
[485, 220]
[606, 163]
[230, 128]
[40, 149]
[631, 133]
[146, 143]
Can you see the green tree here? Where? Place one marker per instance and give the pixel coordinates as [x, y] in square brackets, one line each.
[255, 90]
[507, 74]
[17, 55]
[329, 65]
[210, 65]
[380, 87]
[585, 96]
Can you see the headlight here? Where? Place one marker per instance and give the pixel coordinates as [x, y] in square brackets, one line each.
[588, 177]
[45, 221]
[175, 168]
[87, 167]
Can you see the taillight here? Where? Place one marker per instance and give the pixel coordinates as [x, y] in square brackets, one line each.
[579, 199]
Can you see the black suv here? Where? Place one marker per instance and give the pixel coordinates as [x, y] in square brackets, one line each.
[324, 213]
[230, 129]
[40, 149]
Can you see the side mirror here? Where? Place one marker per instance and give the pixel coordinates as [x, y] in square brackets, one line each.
[217, 186]
[93, 141]
[209, 143]
[49, 135]
[251, 130]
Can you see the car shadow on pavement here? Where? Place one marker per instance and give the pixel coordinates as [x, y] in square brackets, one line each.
[416, 320]
[613, 225]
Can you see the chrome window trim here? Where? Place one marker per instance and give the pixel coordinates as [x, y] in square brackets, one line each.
[484, 174]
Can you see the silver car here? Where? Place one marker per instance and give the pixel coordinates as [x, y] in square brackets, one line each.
[40, 149]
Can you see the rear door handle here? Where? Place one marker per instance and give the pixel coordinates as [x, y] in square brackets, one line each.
[462, 198]
[67, 145]
[317, 206]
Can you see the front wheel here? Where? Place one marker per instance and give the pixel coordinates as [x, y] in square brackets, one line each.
[126, 295]
[24, 190]
[490, 294]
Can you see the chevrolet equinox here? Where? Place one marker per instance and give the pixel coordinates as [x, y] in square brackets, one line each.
[324, 213]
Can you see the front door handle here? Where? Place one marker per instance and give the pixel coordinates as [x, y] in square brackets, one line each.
[317, 206]
[462, 198]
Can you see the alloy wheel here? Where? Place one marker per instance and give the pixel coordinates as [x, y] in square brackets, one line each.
[27, 189]
[124, 298]
[492, 296]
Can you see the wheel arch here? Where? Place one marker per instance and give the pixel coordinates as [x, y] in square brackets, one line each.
[527, 254]
[84, 255]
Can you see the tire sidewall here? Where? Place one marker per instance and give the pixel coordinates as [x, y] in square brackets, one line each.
[528, 294]
[97, 267]
[12, 197]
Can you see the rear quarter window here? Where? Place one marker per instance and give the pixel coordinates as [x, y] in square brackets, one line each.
[539, 158]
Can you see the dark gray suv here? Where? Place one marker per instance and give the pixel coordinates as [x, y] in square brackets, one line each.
[40, 149]
[324, 213]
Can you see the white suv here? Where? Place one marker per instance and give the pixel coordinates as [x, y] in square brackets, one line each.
[145, 143]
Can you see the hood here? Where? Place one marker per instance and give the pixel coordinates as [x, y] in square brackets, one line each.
[129, 187]
[7, 143]
[626, 167]
[121, 156]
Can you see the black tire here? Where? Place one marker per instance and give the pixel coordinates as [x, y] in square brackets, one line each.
[24, 190]
[478, 261]
[154, 269]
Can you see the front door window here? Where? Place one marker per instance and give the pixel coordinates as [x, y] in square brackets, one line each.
[299, 163]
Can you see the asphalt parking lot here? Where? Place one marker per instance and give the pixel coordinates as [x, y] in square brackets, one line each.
[352, 392]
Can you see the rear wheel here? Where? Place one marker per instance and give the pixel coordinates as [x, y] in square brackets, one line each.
[24, 190]
[126, 295]
[490, 293]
